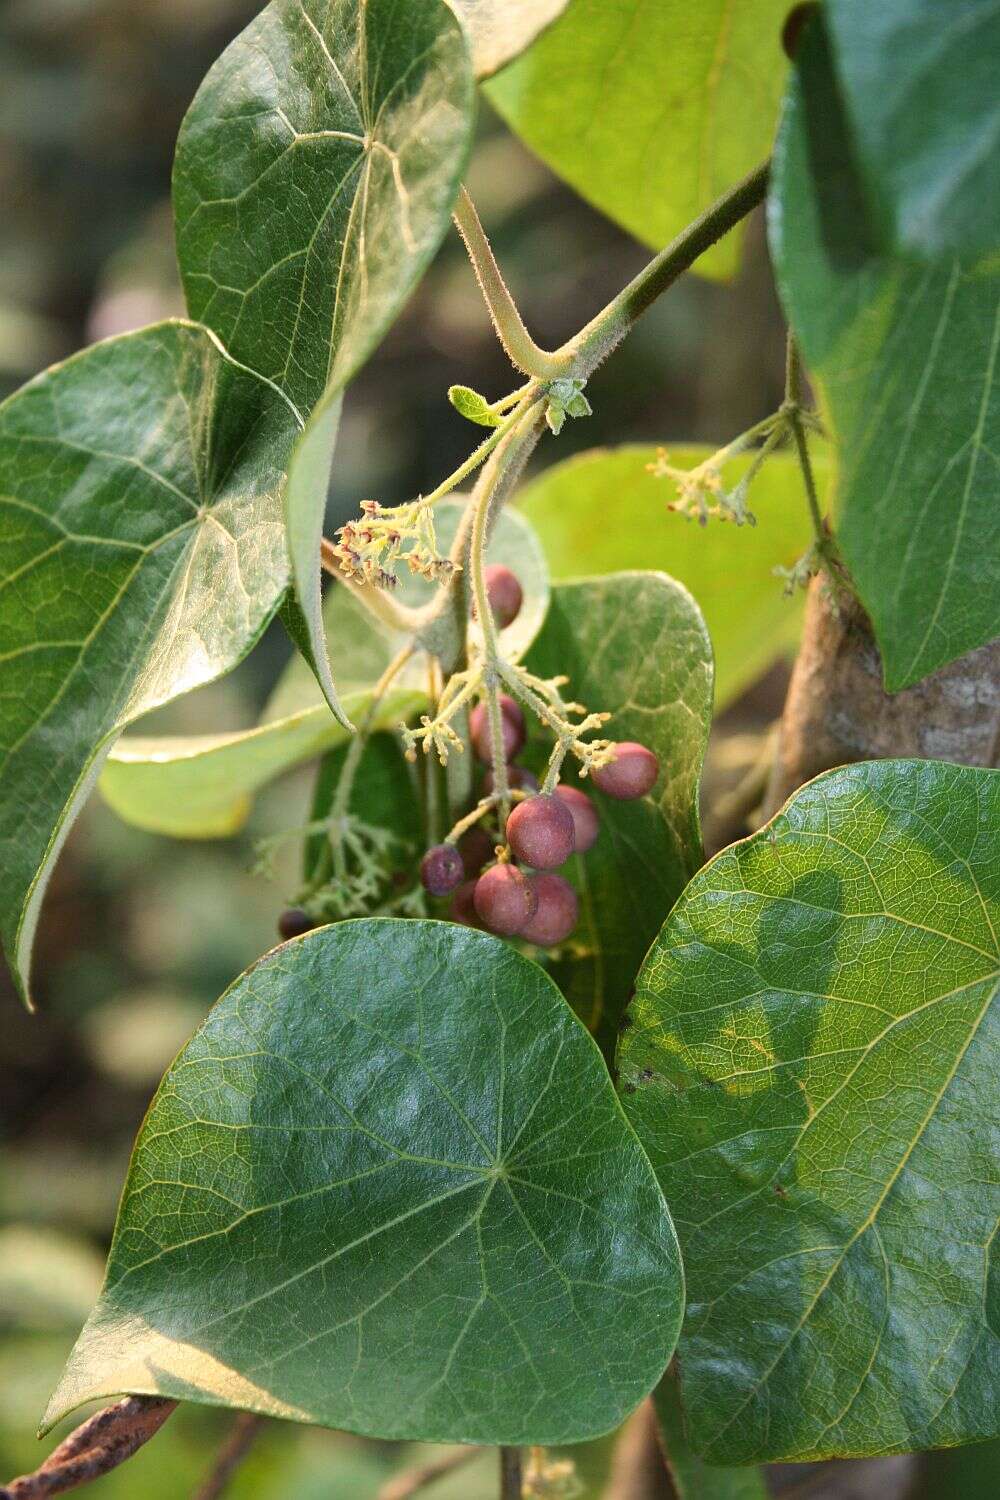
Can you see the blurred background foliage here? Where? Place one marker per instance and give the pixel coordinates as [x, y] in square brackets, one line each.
[141, 934]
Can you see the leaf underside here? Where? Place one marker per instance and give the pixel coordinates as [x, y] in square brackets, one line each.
[376, 1191]
[501, 29]
[813, 1069]
[634, 645]
[906, 353]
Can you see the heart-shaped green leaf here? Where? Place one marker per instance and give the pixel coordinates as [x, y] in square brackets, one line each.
[907, 356]
[635, 645]
[603, 510]
[652, 111]
[314, 179]
[500, 29]
[813, 1067]
[919, 83]
[388, 1187]
[143, 555]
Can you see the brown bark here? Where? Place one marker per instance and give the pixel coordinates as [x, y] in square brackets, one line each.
[93, 1449]
[837, 711]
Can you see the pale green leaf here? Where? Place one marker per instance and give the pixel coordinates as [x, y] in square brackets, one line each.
[635, 646]
[142, 554]
[602, 511]
[388, 1187]
[906, 353]
[500, 29]
[652, 111]
[813, 1067]
[314, 180]
[920, 85]
[472, 406]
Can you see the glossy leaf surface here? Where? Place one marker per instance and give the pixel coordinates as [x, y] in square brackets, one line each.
[652, 111]
[813, 1068]
[919, 83]
[906, 353]
[314, 179]
[635, 645]
[388, 1187]
[601, 511]
[143, 554]
[500, 29]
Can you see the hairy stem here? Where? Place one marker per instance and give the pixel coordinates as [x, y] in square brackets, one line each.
[378, 602]
[582, 354]
[521, 349]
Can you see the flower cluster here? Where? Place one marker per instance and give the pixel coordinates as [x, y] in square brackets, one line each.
[368, 549]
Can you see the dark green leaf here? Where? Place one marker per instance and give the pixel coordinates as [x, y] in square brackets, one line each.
[314, 179]
[500, 29]
[388, 1187]
[603, 510]
[635, 645]
[813, 1068]
[907, 356]
[143, 555]
[692, 1478]
[920, 86]
[652, 111]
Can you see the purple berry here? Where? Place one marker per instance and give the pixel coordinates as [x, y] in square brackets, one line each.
[441, 869]
[631, 774]
[294, 923]
[518, 779]
[586, 823]
[463, 907]
[541, 832]
[504, 593]
[477, 849]
[512, 722]
[557, 914]
[504, 899]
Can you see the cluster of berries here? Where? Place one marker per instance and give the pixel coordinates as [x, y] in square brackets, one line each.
[542, 832]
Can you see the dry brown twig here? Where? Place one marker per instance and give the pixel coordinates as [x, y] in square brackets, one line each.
[96, 1447]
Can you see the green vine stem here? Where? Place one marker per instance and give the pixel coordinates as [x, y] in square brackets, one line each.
[522, 351]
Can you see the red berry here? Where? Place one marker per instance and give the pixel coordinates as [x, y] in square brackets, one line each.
[631, 774]
[541, 832]
[512, 723]
[477, 849]
[294, 923]
[586, 823]
[462, 908]
[504, 899]
[504, 594]
[518, 779]
[557, 914]
[441, 869]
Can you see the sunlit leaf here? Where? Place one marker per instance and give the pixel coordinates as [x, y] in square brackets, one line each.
[652, 111]
[602, 511]
[388, 1187]
[500, 29]
[813, 1067]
